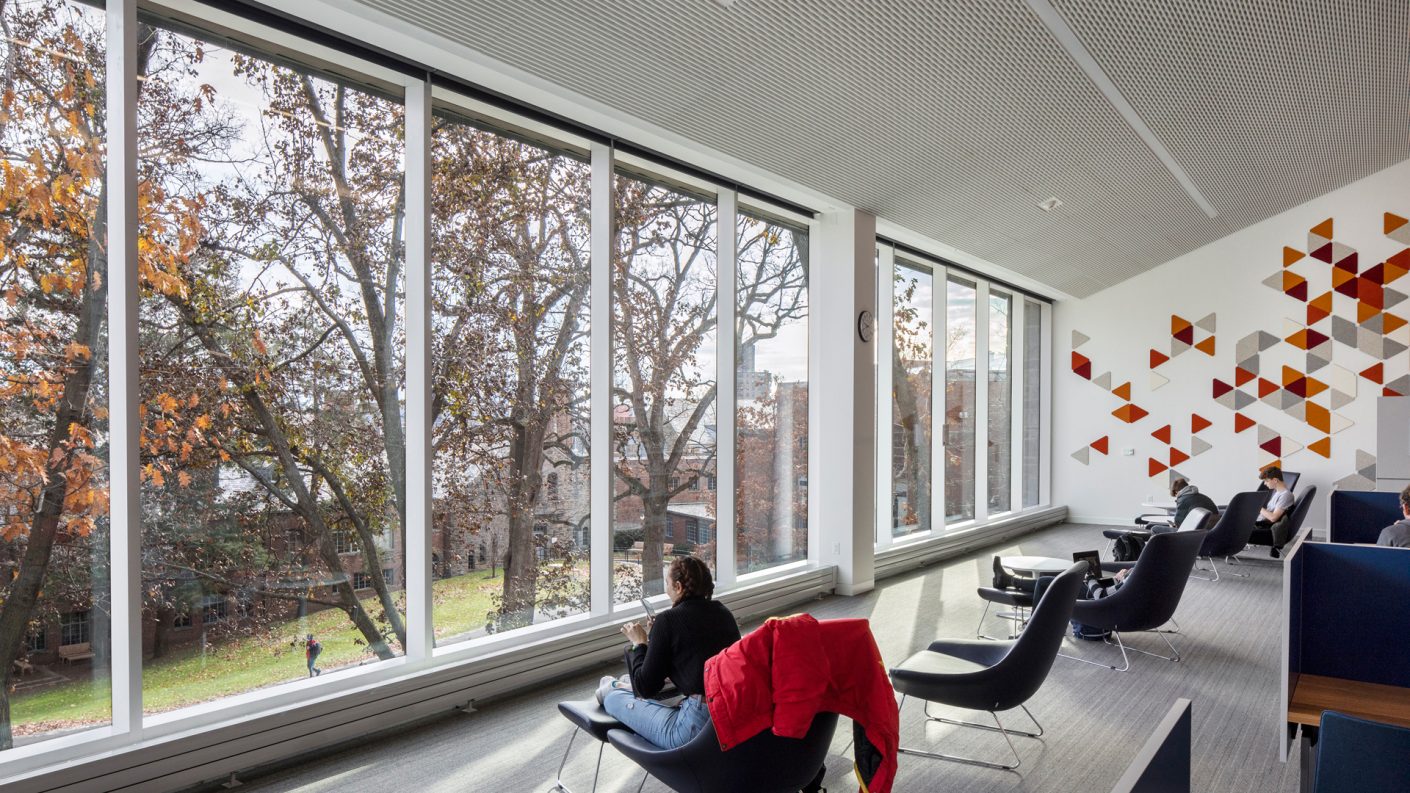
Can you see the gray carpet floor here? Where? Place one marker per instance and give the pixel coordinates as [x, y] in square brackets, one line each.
[1096, 719]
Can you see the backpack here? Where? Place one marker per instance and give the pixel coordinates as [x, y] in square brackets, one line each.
[1128, 548]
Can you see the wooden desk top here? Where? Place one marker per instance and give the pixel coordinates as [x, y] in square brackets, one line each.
[1314, 694]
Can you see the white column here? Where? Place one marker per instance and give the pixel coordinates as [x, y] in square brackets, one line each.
[981, 402]
[1045, 409]
[885, 338]
[726, 265]
[939, 293]
[124, 397]
[1017, 309]
[600, 401]
[419, 455]
[844, 285]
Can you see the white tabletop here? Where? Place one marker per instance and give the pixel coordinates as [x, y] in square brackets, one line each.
[1035, 564]
[1168, 506]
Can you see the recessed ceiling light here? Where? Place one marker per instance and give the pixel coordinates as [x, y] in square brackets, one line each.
[1050, 204]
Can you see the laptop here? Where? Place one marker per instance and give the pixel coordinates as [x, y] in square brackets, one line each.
[1094, 567]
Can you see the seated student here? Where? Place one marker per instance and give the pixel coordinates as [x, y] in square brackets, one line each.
[680, 640]
[1274, 514]
[1187, 497]
[1397, 535]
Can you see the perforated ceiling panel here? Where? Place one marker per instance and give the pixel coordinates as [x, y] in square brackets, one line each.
[955, 119]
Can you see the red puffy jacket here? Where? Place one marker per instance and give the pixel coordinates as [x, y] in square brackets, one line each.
[791, 669]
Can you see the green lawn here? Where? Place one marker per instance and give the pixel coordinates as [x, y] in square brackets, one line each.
[188, 676]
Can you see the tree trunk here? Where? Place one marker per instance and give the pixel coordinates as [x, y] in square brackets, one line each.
[653, 522]
[916, 454]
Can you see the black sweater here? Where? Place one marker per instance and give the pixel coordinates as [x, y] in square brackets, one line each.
[682, 639]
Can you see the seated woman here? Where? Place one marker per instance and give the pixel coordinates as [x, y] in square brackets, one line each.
[681, 639]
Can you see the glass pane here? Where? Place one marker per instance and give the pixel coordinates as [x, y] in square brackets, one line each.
[959, 401]
[55, 618]
[1032, 390]
[912, 360]
[771, 392]
[663, 379]
[1000, 439]
[510, 288]
[272, 374]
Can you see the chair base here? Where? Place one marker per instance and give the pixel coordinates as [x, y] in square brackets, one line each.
[1018, 617]
[1213, 568]
[1174, 656]
[999, 728]
[559, 786]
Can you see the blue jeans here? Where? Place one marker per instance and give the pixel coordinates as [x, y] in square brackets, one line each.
[667, 727]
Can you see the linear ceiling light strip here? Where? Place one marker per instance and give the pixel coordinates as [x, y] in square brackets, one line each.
[1088, 64]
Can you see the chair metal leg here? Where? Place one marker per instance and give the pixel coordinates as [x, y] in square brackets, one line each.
[978, 726]
[561, 786]
[1126, 660]
[644, 777]
[979, 629]
[1233, 561]
[1213, 568]
[1174, 653]
[970, 760]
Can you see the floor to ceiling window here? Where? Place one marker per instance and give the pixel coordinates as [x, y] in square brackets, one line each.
[771, 394]
[511, 296]
[664, 296]
[912, 362]
[960, 399]
[1032, 396]
[55, 617]
[1000, 402]
[272, 371]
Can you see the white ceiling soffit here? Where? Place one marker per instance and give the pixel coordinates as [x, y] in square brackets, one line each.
[955, 119]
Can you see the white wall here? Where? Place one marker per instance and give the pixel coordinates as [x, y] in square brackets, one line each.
[1224, 278]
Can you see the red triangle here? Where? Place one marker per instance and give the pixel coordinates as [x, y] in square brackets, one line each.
[1155, 466]
[1323, 253]
[1265, 388]
[1177, 457]
[1198, 422]
[1375, 374]
[1101, 444]
[1221, 388]
[1390, 392]
[1242, 422]
[1273, 446]
[1348, 262]
[1081, 365]
[1242, 376]
[1158, 358]
[1162, 434]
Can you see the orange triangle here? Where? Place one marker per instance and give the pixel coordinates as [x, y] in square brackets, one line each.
[1179, 325]
[1298, 340]
[1322, 446]
[1206, 346]
[1177, 457]
[1394, 222]
[1318, 417]
[1198, 422]
[1274, 464]
[1392, 323]
[1315, 387]
[1155, 466]
[1242, 422]
[1340, 276]
[1123, 391]
[1291, 255]
[1319, 308]
[1323, 229]
[1397, 265]
[1289, 375]
[1265, 388]
[1162, 434]
[1365, 311]
[1242, 376]
[1101, 444]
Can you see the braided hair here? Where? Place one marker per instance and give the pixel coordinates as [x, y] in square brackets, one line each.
[692, 577]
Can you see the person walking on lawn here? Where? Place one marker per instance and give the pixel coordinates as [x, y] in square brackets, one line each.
[311, 650]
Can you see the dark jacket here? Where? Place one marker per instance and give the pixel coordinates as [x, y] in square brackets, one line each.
[1190, 498]
[682, 639]
[1396, 535]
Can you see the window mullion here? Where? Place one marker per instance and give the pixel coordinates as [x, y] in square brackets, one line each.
[419, 455]
[885, 336]
[726, 268]
[600, 365]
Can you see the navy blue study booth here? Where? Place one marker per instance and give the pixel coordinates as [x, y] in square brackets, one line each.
[1357, 516]
[1163, 764]
[1346, 644]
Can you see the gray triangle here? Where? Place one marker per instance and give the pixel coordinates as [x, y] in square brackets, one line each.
[1274, 399]
[1249, 364]
[1173, 475]
[1400, 385]
[1177, 347]
[1265, 434]
[1340, 399]
[1314, 363]
[1392, 298]
[1364, 459]
[1208, 322]
[1158, 380]
[1297, 411]
[1373, 344]
[1229, 400]
[1275, 280]
[1199, 446]
[1247, 347]
[1242, 400]
[1369, 472]
[1266, 340]
[1289, 399]
[1355, 482]
[1103, 380]
[1079, 338]
[1082, 455]
[1376, 323]
[1323, 350]
[1391, 348]
[1344, 331]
